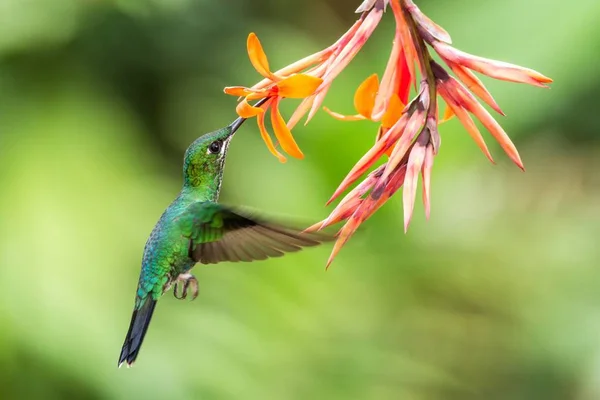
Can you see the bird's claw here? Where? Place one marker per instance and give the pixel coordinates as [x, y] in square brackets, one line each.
[188, 281]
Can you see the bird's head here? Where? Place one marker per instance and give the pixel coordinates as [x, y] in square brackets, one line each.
[205, 158]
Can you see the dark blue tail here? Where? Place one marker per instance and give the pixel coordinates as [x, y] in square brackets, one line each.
[137, 330]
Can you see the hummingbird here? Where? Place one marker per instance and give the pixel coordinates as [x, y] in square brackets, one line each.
[195, 228]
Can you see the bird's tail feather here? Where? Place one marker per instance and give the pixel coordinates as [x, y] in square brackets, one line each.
[137, 330]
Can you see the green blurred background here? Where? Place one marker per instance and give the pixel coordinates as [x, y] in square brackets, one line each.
[496, 297]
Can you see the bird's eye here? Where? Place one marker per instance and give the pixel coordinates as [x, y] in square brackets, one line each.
[215, 147]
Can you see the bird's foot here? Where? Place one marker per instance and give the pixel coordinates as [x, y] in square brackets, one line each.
[184, 283]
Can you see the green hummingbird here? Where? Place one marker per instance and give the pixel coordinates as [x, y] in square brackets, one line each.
[197, 229]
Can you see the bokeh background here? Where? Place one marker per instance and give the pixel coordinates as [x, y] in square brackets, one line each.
[495, 297]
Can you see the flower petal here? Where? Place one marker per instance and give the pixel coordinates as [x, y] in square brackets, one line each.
[364, 210]
[260, 119]
[498, 133]
[431, 27]
[410, 52]
[300, 111]
[316, 104]
[413, 167]
[238, 91]
[368, 5]
[296, 67]
[390, 76]
[245, 110]
[298, 86]
[341, 211]
[364, 98]
[448, 115]
[339, 214]
[381, 133]
[282, 133]
[413, 128]
[342, 117]
[387, 141]
[476, 86]
[259, 95]
[426, 174]
[492, 68]
[368, 207]
[258, 58]
[474, 107]
[393, 112]
[404, 79]
[395, 182]
[465, 119]
[351, 49]
[344, 235]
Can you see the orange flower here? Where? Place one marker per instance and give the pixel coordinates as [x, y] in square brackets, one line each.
[364, 101]
[296, 86]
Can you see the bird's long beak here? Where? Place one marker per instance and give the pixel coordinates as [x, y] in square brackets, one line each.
[235, 125]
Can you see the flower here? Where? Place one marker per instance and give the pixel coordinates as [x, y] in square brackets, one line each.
[308, 79]
[411, 138]
[293, 86]
[408, 130]
[364, 102]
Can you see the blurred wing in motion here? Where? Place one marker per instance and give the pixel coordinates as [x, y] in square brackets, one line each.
[217, 234]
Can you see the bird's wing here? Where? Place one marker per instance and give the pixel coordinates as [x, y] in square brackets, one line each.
[218, 233]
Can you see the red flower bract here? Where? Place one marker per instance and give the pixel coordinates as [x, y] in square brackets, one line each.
[408, 130]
